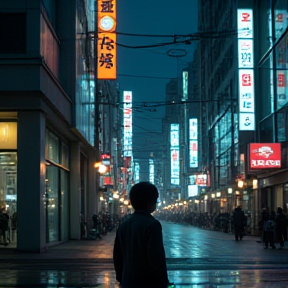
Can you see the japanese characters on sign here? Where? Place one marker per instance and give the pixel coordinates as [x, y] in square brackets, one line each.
[246, 71]
[265, 155]
[106, 41]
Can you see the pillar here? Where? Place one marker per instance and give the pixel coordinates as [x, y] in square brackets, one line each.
[31, 235]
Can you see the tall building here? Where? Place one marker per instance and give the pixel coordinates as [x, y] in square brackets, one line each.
[221, 146]
[271, 95]
[47, 120]
[243, 87]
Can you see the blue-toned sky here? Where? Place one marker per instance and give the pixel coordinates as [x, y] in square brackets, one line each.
[152, 17]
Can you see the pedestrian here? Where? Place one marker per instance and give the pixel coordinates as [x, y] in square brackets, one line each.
[264, 217]
[239, 222]
[269, 230]
[280, 227]
[138, 254]
[4, 218]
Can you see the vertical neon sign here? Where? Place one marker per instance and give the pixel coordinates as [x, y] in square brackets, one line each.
[193, 143]
[246, 70]
[175, 154]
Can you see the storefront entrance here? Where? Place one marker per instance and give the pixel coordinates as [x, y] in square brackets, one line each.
[8, 199]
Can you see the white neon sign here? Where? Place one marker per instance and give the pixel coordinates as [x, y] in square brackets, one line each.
[245, 70]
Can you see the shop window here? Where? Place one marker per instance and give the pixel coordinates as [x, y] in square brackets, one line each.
[52, 204]
[8, 194]
[57, 189]
[53, 147]
[8, 135]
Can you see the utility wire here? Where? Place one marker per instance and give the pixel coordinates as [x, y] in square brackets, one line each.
[188, 41]
[198, 34]
[139, 76]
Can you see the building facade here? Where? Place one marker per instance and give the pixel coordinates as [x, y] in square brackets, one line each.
[253, 57]
[47, 155]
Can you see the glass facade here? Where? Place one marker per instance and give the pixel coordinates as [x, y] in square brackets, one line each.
[273, 91]
[52, 204]
[225, 148]
[57, 187]
[85, 83]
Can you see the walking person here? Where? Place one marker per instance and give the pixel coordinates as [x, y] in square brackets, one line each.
[269, 230]
[138, 254]
[4, 218]
[280, 227]
[239, 222]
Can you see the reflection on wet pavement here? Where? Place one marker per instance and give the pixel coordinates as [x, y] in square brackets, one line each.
[184, 278]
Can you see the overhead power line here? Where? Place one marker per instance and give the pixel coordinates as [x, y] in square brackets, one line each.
[197, 34]
[139, 76]
[177, 39]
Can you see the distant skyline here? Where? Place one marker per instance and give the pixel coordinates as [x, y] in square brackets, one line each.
[152, 17]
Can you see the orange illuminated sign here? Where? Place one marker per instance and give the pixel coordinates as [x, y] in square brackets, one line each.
[106, 42]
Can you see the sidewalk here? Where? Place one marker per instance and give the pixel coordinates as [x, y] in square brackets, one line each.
[73, 250]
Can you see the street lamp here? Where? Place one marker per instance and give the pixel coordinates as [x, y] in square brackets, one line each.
[101, 168]
[240, 184]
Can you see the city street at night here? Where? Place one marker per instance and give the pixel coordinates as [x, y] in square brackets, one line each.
[195, 258]
[112, 111]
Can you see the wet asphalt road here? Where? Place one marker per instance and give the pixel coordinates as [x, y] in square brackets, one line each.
[195, 258]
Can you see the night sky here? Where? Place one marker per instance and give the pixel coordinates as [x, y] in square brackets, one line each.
[146, 72]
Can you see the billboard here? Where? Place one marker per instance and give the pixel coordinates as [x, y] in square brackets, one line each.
[106, 39]
[264, 155]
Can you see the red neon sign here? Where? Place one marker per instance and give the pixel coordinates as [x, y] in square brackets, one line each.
[265, 155]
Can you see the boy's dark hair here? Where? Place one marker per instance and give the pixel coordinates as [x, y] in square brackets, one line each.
[143, 194]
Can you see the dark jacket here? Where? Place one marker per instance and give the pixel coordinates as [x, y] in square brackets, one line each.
[239, 218]
[281, 222]
[4, 218]
[138, 254]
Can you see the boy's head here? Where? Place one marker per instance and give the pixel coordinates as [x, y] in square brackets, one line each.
[143, 196]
